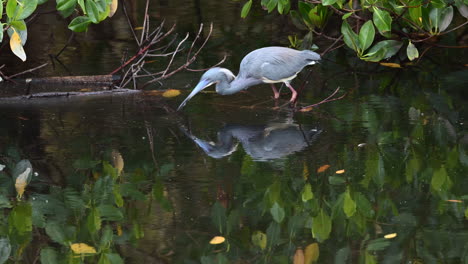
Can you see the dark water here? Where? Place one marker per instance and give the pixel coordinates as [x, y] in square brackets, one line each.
[377, 177]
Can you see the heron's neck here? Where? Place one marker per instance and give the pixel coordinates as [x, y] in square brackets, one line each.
[224, 87]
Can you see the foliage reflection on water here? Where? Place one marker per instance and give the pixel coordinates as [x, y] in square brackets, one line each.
[125, 180]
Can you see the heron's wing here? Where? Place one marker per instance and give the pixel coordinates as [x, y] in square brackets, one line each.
[282, 65]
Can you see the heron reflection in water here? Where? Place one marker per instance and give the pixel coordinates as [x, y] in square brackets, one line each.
[262, 143]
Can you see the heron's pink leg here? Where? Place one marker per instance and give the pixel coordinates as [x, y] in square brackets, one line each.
[275, 91]
[294, 93]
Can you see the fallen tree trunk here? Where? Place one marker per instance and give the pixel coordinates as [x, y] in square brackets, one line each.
[57, 86]
[73, 80]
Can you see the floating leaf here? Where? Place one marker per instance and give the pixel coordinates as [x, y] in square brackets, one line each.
[217, 240]
[312, 253]
[323, 168]
[113, 7]
[259, 239]
[299, 256]
[391, 65]
[390, 236]
[171, 93]
[22, 182]
[16, 46]
[82, 248]
[412, 52]
[340, 171]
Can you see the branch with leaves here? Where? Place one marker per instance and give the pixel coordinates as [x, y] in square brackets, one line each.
[375, 29]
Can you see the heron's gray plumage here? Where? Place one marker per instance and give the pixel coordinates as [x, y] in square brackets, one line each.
[264, 65]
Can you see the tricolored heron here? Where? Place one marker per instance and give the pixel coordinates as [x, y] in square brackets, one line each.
[266, 65]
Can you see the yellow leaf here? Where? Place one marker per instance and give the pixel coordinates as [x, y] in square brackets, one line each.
[117, 161]
[390, 236]
[113, 7]
[454, 201]
[323, 168]
[16, 45]
[390, 64]
[82, 248]
[305, 172]
[299, 256]
[217, 240]
[138, 28]
[22, 181]
[340, 171]
[119, 230]
[306, 109]
[171, 93]
[312, 253]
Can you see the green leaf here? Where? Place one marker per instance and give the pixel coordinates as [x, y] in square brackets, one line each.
[307, 193]
[18, 25]
[106, 237]
[271, 5]
[93, 221]
[79, 24]
[383, 50]
[92, 11]
[1, 15]
[466, 213]
[56, 232]
[114, 258]
[378, 244]
[438, 178]
[29, 6]
[366, 35]
[66, 5]
[321, 226]
[49, 255]
[84, 164]
[412, 51]
[446, 18]
[11, 8]
[109, 213]
[383, 21]
[20, 218]
[415, 11]
[22, 33]
[277, 212]
[5, 250]
[328, 2]
[349, 205]
[350, 37]
[259, 239]
[345, 16]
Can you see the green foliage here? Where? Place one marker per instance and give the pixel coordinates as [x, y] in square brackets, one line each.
[92, 11]
[418, 20]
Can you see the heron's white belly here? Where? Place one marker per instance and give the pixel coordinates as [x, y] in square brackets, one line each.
[266, 80]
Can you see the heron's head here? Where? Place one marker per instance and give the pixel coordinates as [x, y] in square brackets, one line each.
[212, 76]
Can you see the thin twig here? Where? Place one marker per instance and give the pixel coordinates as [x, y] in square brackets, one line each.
[122, 2]
[26, 71]
[326, 100]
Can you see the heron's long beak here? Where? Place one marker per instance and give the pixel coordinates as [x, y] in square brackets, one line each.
[200, 86]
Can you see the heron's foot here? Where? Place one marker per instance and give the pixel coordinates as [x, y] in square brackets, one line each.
[276, 94]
